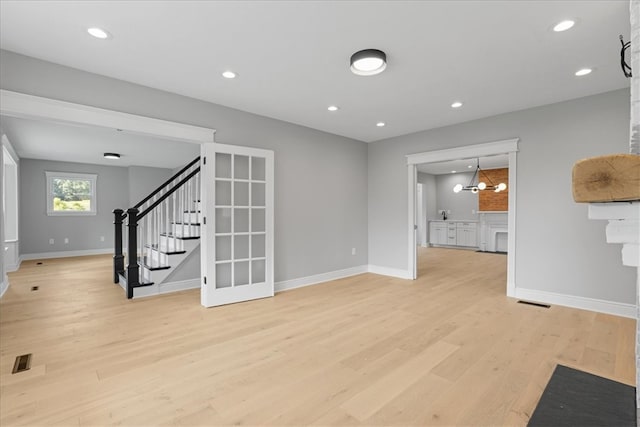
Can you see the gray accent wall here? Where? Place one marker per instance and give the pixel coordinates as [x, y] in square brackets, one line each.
[559, 249]
[83, 232]
[320, 179]
[462, 205]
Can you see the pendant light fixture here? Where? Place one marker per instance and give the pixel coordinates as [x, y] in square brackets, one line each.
[481, 185]
[368, 62]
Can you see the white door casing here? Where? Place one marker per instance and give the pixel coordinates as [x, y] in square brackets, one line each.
[509, 146]
[237, 199]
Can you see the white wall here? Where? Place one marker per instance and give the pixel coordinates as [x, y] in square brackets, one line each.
[320, 178]
[558, 249]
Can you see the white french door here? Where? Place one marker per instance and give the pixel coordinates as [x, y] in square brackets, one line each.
[237, 232]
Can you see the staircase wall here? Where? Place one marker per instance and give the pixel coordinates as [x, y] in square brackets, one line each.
[143, 180]
[189, 269]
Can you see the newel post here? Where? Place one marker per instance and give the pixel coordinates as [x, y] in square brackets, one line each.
[118, 257]
[133, 274]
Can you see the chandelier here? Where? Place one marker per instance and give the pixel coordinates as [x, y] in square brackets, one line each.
[481, 185]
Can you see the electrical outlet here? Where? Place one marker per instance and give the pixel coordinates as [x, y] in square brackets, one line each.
[473, 211]
[51, 241]
[102, 238]
[66, 240]
[353, 251]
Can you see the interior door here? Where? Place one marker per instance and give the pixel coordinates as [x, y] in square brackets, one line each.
[237, 232]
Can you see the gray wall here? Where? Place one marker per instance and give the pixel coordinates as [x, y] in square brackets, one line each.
[143, 180]
[36, 227]
[460, 204]
[428, 182]
[559, 249]
[3, 283]
[320, 179]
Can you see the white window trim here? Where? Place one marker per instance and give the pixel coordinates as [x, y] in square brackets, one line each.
[70, 175]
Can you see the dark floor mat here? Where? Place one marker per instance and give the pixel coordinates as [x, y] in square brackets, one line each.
[576, 398]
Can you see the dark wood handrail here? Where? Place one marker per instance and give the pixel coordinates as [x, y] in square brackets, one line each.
[167, 182]
[168, 193]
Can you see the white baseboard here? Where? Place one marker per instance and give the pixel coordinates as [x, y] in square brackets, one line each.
[387, 271]
[4, 285]
[9, 268]
[584, 303]
[66, 254]
[319, 278]
[166, 288]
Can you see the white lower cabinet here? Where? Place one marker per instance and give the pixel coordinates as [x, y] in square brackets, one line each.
[467, 234]
[453, 233]
[438, 233]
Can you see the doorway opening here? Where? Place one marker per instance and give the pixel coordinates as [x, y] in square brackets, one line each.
[461, 223]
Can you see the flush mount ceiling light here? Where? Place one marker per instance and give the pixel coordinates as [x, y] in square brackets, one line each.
[381, 124]
[332, 108]
[368, 62]
[563, 25]
[481, 185]
[456, 104]
[583, 72]
[229, 75]
[98, 33]
[113, 156]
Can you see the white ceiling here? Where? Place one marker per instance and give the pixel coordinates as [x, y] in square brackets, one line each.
[34, 139]
[462, 165]
[292, 57]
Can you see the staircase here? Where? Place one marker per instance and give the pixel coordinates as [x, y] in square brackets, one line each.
[163, 229]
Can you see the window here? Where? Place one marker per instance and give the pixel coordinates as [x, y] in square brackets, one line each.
[71, 193]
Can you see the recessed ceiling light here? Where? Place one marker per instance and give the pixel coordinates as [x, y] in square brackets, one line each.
[229, 75]
[381, 124]
[332, 108]
[98, 33]
[470, 166]
[456, 104]
[563, 26]
[583, 72]
[453, 171]
[114, 156]
[368, 62]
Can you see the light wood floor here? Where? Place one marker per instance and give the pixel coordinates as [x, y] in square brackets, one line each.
[447, 349]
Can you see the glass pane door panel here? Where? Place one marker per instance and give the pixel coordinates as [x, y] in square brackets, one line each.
[223, 220]
[240, 220]
[241, 193]
[223, 165]
[241, 273]
[223, 275]
[223, 193]
[257, 246]
[240, 167]
[241, 247]
[257, 194]
[223, 248]
[257, 169]
[257, 220]
[257, 271]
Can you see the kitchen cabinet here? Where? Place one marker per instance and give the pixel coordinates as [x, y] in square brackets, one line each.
[467, 234]
[453, 233]
[438, 233]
